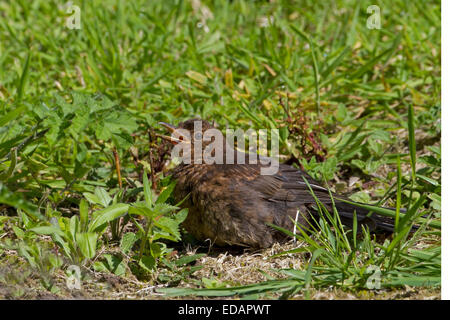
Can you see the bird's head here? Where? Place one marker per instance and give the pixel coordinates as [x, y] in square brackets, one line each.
[196, 141]
[186, 132]
[194, 137]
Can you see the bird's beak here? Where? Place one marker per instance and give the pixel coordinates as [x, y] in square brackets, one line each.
[172, 139]
[169, 127]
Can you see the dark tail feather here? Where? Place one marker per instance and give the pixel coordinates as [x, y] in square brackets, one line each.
[373, 222]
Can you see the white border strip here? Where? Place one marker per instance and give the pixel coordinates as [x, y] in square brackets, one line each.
[445, 205]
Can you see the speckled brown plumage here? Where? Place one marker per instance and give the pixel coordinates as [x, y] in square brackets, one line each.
[231, 204]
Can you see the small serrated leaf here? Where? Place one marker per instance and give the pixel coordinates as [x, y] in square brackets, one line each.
[128, 241]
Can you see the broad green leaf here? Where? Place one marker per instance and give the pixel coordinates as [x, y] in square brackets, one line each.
[106, 215]
[103, 196]
[87, 242]
[142, 210]
[84, 215]
[92, 198]
[47, 230]
[74, 226]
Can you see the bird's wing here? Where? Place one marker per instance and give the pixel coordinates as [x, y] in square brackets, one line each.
[287, 185]
[288, 191]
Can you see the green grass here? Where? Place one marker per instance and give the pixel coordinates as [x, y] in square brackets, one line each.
[352, 104]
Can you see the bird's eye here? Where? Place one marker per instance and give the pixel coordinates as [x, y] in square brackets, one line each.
[197, 136]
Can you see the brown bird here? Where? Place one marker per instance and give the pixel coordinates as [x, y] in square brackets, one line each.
[232, 204]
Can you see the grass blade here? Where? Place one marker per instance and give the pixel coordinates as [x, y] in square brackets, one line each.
[23, 77]
[412, 140]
